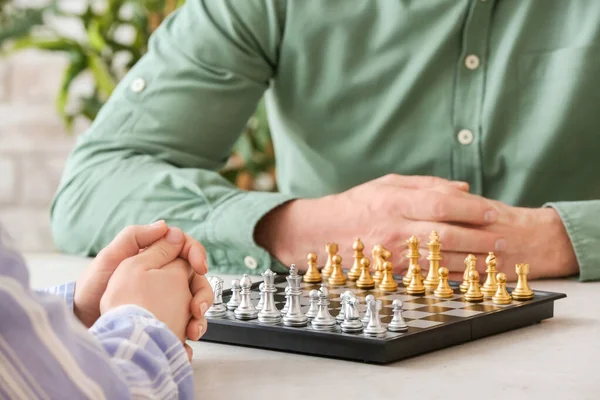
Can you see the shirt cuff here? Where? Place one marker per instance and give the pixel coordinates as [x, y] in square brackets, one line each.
[580, 219]
[66, 291]
[129, 312]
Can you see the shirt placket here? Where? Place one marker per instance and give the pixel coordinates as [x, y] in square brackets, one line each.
[469, 95]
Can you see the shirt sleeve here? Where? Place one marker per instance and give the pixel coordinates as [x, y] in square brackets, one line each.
[46, 353]
[155, 149]
[66, 291]
[580, 219]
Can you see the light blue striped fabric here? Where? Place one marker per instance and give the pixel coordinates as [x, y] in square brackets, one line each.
[45, 353]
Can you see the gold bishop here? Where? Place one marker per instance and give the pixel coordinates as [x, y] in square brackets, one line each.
[490, 285]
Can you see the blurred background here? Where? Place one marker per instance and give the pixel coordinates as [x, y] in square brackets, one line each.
[59, 62]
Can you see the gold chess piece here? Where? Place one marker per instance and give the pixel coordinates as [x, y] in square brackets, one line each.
[443, 291]
[501, 297]
[491, 284]
[434, 257]
[388, 284]
[384, 256]
[416, 282]
[331, 249]
[377, 263]
[337, 275]
[522, 291]
[312, 274]
[413, 255]
[365, 281]
[474, 294]
[470, 264]
[355, 271]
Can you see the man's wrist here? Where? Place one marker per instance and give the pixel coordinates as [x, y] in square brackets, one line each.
[566, 260]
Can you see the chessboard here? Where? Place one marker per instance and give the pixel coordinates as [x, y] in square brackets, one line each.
[423, 321]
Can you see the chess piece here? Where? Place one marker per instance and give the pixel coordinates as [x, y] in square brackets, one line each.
[416, 282]
[490, 285]
[294, 315]
[365, 319]
[261, 300]
[397, 324]
[268, 312]
[365, 281]
[473, 294]
[443, 291]
[432, 281]
[287, 301]
[413, 255]
[312, 274]
[217, 309]
[234, 301]
[331, 249]
[522, 291]
[337, 275]
[355, 271]
[246, 310]
[344, 299]
[323, 321]
[374, 327]
[501, 296]
[388, 284]
[377, 263]
[351, 323]
[470, 264]
[313, 309]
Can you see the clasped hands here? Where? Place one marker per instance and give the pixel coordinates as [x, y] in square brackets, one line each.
[156, 267]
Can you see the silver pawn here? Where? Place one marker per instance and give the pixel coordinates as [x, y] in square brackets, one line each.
[313, 309]
[397, 324]
[261, 301]
[374, 327]
[217, 309]
[235, 299]
[268, 312]
[294, 315]
[246, 310]
[367, 316]
[323, 321]
[287, 301]
[351, 323]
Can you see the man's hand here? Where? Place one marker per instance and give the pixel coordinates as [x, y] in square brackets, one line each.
[384, 211]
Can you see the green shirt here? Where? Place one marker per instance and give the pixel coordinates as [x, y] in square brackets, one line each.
[504, 95]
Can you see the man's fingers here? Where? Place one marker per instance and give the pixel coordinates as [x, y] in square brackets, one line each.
[130, 241]
[203, 295]
[195, 253]
[189, 351]
[420, 182]
[161, 252]
[458, 238]
[455, 262]
[196, 328]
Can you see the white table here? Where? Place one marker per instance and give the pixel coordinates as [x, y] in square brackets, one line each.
[557, 359]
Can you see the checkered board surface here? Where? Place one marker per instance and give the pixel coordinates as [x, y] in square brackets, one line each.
[433, 323]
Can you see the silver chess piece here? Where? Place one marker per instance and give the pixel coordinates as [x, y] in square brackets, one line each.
[261, 301]
[323, 321]
[313, 309]
[235, 299]
[397, 324]
[351, 323]
[217, 309]
[374, 327]
[286, 306]
[367, 316]
[344, 299]
[246, 310]
[269, 313]
[294, 315]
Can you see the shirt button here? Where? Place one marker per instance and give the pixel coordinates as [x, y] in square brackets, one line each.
[472, 62]
[250, 262]
[138, 85]
[465, 136]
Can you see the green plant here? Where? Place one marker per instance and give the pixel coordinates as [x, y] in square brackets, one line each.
[105, 58]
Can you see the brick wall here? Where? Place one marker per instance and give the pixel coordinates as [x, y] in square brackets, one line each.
[33, 146]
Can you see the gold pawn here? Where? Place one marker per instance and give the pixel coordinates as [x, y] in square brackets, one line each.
[416, 282]
[474, 294]
[490, 285]
[365, 281]
[312, 274]
[470, 264]
[388, 284]
[331, 249]
[443, 291]
[434, 257]
[337, 276]
[384, 256]
[377, 263]
[413, 255]
[522, 291]
[358, 248]
[501, 297]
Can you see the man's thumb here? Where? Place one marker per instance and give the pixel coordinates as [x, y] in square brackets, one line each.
[163, 251]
